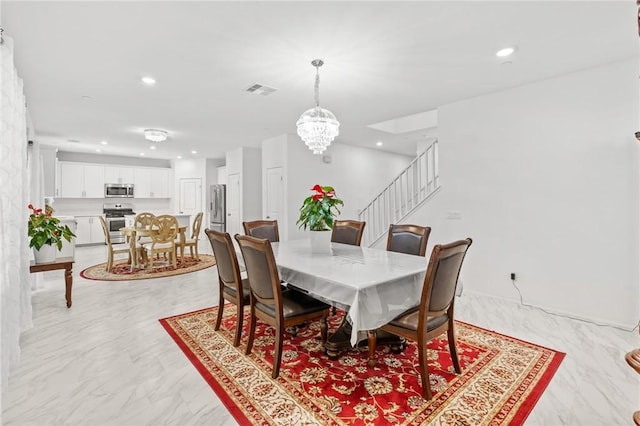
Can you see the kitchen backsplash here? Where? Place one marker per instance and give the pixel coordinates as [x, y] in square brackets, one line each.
[93, 206]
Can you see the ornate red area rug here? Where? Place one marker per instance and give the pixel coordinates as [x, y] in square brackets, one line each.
[502, 377]
[121, 271]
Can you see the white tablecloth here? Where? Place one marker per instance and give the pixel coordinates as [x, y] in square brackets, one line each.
[374, 285]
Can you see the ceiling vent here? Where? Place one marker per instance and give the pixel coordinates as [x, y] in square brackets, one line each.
[260, 89]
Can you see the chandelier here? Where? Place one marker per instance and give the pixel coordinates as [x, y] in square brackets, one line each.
[155, 135]
[317, 127]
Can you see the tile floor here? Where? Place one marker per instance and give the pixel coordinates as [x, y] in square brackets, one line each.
[107, 360]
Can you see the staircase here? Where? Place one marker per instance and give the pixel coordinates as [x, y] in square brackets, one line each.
[412, 187]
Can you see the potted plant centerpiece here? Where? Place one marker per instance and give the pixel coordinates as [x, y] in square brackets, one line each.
[317, 213]
[46, 234]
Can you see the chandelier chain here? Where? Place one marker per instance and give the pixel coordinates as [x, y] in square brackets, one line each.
[317, 87]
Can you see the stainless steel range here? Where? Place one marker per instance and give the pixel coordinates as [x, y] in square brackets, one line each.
[114, 216]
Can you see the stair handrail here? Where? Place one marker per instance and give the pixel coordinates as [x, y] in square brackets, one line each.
[406, 192]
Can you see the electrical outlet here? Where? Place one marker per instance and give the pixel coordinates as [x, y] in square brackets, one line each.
[513, 276]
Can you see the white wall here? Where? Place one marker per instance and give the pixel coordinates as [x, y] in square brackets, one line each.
[246, 162]
[545, 177]
[357, 174]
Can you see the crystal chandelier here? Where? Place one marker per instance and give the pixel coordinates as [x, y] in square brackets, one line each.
[317, 127]
[155, 135]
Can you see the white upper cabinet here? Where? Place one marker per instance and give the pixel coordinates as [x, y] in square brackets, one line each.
[118, 174]
[81, 180]
[160, 183]
[151, 182]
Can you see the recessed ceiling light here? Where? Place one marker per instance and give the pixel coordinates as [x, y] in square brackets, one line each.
[194, 152]
[149, 81]
[179, 157]
[505, 52]
[142, 153]
[104, 142]
[98, 150]
[152, 147]
[379, 143]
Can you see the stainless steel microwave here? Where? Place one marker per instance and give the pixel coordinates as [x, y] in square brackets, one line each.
[118, 190]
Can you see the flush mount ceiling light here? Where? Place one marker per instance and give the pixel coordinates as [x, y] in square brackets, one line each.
[155, 135]
[317, 127]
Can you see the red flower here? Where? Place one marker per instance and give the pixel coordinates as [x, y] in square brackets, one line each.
[30, 206]
[317, 197]
[317, 188]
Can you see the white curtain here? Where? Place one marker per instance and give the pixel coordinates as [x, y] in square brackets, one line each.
[15, 292]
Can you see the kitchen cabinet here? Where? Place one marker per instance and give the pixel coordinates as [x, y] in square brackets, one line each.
[89, 230]
[118, 174]
[79, 180]
[151, 182]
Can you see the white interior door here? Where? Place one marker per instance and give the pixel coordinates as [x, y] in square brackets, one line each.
[274, 194]
[233, 204]
[190, 196]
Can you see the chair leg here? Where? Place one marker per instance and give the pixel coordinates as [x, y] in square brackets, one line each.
[220, 309]
[173, 259]
[196, 249]
[109, 261]
[252, 330]
[324, 328]
[277, 356]
[239, 321]
[424, 368]
[452, 348]
[372, 339]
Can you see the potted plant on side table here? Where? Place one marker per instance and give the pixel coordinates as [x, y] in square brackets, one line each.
[46, 234]
[317, 213]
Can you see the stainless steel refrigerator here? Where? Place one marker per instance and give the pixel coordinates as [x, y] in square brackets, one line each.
[218, 208]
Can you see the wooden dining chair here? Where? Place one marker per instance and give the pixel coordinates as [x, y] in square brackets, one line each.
[434, 315]
[408, 239]
[347, 232]
[633, 359]
[163, 239]
[269, 303]
[231, 286]
[192, 242]
[262, 229]
[113, 248]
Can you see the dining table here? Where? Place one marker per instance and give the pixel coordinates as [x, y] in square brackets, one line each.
[373, 286]
[132, 233]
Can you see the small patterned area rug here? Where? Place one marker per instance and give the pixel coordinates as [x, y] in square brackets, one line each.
[121, 270]
[502, 377]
